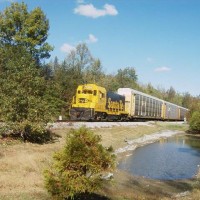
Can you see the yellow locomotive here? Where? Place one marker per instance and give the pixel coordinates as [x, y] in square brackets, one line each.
[93, 102]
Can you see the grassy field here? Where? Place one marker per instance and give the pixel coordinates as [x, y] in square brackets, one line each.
[22, 166]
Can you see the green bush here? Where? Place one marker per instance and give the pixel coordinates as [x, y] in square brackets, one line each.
[195, 122]
[27, 131]
[79, 166]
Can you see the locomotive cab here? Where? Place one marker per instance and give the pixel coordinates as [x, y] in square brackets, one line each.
[88, 100]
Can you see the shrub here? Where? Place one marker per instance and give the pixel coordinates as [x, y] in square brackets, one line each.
[79, 166]
[27, 131]
[195, 122]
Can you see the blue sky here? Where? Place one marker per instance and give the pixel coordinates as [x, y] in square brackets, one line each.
[159, 38]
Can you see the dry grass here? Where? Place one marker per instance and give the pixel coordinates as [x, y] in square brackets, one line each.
[22, 166]
[116, 136]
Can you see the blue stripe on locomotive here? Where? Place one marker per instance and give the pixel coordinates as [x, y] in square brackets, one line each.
[115, 98]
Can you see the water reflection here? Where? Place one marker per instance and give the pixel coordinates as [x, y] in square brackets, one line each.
[168, 159]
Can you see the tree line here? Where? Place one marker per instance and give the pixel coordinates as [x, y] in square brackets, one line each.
[81, 67]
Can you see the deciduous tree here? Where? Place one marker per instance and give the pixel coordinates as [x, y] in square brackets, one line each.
[19, 27]
[94, 73]
[126, 77]
[195, 122]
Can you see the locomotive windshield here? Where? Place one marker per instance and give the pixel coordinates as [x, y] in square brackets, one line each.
[87, 92]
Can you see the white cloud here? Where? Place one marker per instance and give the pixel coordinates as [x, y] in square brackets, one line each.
[91, 39]
[110, 9]
[89, 10]
[162, 69]
[67, 48]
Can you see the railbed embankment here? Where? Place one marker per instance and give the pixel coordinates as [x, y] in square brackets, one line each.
[126, 136]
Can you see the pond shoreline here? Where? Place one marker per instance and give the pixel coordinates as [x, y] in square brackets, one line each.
[158, 184]
[147, 139]
[163, 156]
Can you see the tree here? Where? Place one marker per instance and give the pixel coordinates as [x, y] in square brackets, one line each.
[194, 105]
[71, 72]
[126, 77]
[78, 167]
[55, 64]
[187, 100]
[195, 122]
[18, 27]
[171, 93]
[78, 60]
[93, 73]
[27, 101]
[28, 96]
[150, 89]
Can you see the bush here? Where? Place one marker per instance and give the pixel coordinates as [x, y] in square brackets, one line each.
[195, 122]
[79, 166]
[27, 131]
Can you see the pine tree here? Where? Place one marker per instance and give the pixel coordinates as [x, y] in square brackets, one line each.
[78, 167]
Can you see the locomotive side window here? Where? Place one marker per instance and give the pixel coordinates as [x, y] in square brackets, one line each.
[95, 93]
[79, 91]
[101, 95]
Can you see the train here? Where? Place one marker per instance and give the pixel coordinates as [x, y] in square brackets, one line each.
[93, 102]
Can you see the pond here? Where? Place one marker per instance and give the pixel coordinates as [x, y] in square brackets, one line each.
[169, 159]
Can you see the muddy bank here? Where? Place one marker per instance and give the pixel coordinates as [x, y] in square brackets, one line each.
[129, 187]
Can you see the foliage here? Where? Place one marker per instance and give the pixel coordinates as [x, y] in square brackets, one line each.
[27, 130]
[28, 29]
[81, 67]
[26, 98]
[78, 60]
[94, 73]
[171, 93]
[78, 167]
[186, 100]
[195, 122]
[126, 77]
